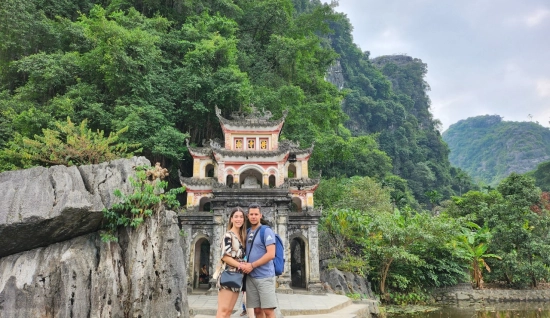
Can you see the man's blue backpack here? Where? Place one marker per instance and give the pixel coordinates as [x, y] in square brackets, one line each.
[279, 260]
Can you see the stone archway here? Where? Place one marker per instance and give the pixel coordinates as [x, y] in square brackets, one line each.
[204, 204]
[229, 180]
[202, 257]
[291, 171]
[251, 178]
[298, 260]
[296, 204]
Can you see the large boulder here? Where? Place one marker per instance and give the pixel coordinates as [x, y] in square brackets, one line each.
[42, 206]
[345, 282]
[140, 276]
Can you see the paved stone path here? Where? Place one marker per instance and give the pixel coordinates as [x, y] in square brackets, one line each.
[294, 305]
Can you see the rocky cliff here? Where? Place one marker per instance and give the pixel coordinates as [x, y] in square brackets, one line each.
[73, 273]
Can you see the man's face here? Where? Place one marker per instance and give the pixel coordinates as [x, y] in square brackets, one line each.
[254, 216]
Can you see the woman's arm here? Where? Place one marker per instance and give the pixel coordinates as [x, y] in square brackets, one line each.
[231, 261]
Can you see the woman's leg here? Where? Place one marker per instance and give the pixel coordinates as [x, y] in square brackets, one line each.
[226, 302]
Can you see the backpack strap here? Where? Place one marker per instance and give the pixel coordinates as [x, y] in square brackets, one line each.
[253, 238]
[262, 230]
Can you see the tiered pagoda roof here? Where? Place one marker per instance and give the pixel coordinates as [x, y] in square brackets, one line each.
[255, 119]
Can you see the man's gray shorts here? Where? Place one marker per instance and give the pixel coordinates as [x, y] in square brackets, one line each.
[260, 292]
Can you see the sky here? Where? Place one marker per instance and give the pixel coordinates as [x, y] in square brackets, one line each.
[484, 56]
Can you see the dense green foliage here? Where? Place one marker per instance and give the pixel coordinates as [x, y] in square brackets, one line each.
[541, 176]
[147, 198]
[500, 236]
[518, 218]
[489, 149]
[401, 250]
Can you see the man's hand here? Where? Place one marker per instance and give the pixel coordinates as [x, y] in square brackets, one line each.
[247, 268]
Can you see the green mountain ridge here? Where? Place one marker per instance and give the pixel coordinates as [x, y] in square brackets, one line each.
[489, 149]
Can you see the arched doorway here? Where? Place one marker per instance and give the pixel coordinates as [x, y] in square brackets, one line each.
[291, 171]
[251, 179]
[298, 258]
[204, 205]
[229, 180]
[202, 258]
[272, 181]
[209, 171]
[296, 204]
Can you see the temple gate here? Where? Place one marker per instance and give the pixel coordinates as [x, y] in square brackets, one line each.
[250, 166]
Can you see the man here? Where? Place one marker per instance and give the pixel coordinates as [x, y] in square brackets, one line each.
[260, 282]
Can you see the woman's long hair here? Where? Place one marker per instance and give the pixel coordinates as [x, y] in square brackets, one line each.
[242, 232]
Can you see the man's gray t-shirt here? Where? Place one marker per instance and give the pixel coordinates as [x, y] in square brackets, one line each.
[258, 250]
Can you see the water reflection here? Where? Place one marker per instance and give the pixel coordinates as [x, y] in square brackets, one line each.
[495, 310]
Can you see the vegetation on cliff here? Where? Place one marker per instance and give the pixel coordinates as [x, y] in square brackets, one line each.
[490, 149]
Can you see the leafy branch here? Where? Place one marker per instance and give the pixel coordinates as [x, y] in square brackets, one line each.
[69, 144]
[147, 199]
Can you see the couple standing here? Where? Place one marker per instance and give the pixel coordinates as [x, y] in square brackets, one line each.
[252, 256]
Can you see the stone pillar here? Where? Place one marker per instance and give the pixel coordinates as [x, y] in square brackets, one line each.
[218, 230]
[283, 281]
[265, 182]
[190, 200]
[185, 243]
[314, 282]
[236, 181]
[304, 169]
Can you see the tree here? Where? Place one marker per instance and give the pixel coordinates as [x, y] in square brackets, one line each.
[520, 236]
[434, 197]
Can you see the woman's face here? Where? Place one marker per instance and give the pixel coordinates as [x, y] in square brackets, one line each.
[238, 219]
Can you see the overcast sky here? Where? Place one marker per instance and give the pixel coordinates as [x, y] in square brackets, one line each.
[484, 56]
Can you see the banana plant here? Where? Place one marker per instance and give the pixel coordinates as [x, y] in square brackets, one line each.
[472, 246]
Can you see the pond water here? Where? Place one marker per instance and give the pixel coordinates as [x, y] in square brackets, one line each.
[494, 310]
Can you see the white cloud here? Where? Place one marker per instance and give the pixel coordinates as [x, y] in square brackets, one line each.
[537, 17]
[389, 41]
[543, 87]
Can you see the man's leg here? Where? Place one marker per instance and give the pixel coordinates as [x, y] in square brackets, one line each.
[268, 298]
[252, 295]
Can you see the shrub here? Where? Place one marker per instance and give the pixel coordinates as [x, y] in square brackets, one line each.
[68, 145]
[147, 199]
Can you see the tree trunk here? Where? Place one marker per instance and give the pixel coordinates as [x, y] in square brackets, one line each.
[385, 270]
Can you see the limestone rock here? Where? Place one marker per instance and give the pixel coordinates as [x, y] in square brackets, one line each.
[346, 283]
[140, 276]
[42, 206]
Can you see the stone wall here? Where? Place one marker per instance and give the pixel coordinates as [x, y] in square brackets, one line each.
[77, 275]
[465, 293]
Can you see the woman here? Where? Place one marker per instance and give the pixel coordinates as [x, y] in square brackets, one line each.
[233, 250]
